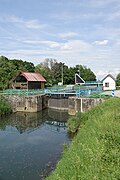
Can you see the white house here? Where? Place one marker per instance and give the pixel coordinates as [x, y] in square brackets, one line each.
[109, 82]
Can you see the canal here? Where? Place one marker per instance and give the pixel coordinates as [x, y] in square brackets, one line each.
[31, 144]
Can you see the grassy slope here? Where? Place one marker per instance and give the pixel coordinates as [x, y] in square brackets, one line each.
[95, 151]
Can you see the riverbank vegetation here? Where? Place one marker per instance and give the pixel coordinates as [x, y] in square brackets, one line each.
[95, 151]
[5, 107]
[118, 80]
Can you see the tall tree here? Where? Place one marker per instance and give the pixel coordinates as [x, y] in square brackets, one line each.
[9, 68]
[118, 80]
[57, 72]
[46, 73]
[85, 73]
[45, 68]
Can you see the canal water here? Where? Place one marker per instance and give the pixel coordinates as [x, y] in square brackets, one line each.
[31, 144]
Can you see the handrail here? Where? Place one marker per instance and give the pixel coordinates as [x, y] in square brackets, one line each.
[79, 91]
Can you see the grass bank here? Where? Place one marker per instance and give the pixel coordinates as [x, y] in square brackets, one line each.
[95, 151]
[5, 107]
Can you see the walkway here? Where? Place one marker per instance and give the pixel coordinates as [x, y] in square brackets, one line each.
[117, 93]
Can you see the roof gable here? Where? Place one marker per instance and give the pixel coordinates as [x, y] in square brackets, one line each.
[109, 75]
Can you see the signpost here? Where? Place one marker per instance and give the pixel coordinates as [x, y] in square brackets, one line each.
[79, 81]
[113, 93]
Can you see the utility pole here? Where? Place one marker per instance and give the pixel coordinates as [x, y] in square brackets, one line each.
[79, 84]
[62, 73]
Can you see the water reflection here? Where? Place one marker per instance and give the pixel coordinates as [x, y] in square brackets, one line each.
[29, 142]
[28, 122]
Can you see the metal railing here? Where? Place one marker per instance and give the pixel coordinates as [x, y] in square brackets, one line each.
[21, 92]
[79, 91]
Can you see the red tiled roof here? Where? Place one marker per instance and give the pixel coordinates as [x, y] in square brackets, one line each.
[33, 76]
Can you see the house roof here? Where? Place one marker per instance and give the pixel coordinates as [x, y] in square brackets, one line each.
[109, 75]
[33, 76]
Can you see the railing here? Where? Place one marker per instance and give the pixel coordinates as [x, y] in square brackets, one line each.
[21, 92]
[79, 91]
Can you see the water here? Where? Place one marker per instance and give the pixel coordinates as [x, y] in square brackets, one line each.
[31, 144]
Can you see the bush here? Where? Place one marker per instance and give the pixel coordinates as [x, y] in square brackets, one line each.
[4, 106]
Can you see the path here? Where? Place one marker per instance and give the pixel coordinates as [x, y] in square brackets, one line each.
[117, 93]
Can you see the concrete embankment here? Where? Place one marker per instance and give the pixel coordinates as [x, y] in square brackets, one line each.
[82, 104]
[74, 104]
[39, 102]
[27, 103]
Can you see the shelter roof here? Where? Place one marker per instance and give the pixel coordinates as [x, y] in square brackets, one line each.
[33, 76]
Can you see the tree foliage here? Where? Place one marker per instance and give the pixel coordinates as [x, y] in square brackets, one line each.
[52, 71]
[118, 80]
[9, 68]
[55, 72]
[45, 68]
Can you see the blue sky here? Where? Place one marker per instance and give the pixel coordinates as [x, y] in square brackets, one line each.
[83, 32]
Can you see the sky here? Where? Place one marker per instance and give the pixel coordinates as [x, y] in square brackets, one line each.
[85, 32]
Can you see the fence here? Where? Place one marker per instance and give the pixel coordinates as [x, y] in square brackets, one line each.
[79, 91]
[20, 92]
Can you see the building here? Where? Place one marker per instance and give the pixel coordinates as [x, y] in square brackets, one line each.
[109, 82]
[28, 80]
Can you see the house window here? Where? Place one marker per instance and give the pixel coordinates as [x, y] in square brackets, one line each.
[107, 84]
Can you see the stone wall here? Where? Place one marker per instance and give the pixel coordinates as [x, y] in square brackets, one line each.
[82, 104]
[27, 103]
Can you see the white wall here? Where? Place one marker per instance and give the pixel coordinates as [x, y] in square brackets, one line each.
[112, 83]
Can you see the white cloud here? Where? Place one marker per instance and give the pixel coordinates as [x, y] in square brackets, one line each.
[51, 44]
[104, 42]
[31, 24]
[76, 45]
[67, 34]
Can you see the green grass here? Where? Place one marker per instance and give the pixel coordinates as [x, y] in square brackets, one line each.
[99, 95]
[95, 152]
[5, 107]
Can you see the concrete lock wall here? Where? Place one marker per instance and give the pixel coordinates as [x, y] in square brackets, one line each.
[39, 102]
[82, 104]
[27, 103]
[60, 104]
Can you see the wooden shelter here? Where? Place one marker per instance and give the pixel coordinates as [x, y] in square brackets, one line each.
[28, 80]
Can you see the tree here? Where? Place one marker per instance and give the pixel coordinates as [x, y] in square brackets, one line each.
[55, 72]
[118, 80]
[85, 73]
[45, 72]
[9, 68]
[46, 69]
[23, 65]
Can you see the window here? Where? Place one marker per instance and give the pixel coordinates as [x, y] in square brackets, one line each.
[107, 84]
